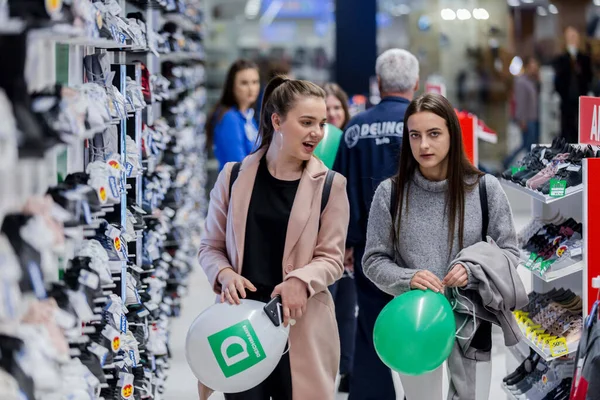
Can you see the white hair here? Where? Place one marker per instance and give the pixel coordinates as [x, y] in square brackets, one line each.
[398, 71]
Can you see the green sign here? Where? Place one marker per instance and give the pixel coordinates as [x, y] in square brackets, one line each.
[62, 64]
[514, 170]
[557, 188]
[236, 348]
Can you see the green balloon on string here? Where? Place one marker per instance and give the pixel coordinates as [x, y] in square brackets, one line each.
[328, 147]
[414, 333]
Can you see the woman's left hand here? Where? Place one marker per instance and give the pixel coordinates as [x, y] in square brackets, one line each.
[457, 277]
[294, 296]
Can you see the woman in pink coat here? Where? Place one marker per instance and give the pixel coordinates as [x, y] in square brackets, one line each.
[270, 237]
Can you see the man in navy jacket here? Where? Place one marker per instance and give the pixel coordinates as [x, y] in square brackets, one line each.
[368, 154]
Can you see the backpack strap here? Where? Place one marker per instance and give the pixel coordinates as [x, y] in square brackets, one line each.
[326, 192]
[484, 208]
[235, 170]
[327, 189]
[393, 198]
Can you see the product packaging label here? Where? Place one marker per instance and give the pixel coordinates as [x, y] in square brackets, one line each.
[113, 186]
[102, 195]
[126, 383]
[129, 169]
[236, 348]
[558, 347]
[557, 188]
[123, 323]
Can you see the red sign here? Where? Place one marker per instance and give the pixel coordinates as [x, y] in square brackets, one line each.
[589, 120]
[469, 128]
[591, 214]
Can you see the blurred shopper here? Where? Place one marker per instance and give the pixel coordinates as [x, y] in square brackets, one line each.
[526, 96]
[368, 154]
[231, 128]
[431, 227]
[338, 113]
[271, 224]
[573, 79]
[344, 290]
[269, 69]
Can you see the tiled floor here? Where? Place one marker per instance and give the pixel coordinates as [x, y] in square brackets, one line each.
[181, 384]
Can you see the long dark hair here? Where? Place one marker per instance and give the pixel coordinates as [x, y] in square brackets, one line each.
[333, 89]
[279, 98]
[227, 99]
[459, 167]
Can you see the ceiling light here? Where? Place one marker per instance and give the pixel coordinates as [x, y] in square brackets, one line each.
[463, 14]
[252, 8]
[552, 8]
[515, 66]
[448, 14]
[527, 1]
[541, 11]
[403, 9]
[513, 3]
[481, 13]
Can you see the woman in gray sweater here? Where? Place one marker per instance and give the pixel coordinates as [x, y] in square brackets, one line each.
[438, 214]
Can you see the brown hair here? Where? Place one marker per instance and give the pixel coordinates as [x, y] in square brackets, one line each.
[459, 166]
[279, 98]
[227, 99]
[333, 89]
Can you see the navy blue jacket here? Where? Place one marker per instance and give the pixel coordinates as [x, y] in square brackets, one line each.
[369, 153]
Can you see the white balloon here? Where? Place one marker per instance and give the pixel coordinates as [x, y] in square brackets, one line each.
[233, 348]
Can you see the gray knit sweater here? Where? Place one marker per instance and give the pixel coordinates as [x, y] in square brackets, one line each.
[423, 241]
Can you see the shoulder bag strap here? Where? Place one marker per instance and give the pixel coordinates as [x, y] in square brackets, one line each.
[484, 208]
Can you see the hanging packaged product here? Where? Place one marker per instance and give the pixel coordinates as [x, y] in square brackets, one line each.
[126, 385]
[557, 188]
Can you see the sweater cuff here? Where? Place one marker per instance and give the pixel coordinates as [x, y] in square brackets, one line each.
[472, 282]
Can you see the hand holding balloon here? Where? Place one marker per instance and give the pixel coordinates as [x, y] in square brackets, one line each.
[233, 285]
[424, 280]
[294, 297]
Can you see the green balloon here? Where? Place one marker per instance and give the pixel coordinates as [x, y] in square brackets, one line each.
[327, 149]
[414, 333]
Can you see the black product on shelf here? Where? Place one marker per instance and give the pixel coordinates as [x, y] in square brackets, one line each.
[544, 165]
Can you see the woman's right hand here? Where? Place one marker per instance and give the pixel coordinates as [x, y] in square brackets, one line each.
[233, 285]
[424, 280]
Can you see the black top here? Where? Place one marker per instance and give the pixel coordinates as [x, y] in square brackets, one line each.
[266, 229]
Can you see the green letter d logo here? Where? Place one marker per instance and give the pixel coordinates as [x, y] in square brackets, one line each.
[236, 348]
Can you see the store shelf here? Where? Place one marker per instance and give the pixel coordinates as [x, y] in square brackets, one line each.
[545, 354]
[568, 267]
[570, 191]
[509, 394]
[184, 22]
[182, 56]
[71, 35]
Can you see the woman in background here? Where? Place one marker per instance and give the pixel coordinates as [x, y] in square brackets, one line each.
[343, 291]
[338, 113]
[231, 127]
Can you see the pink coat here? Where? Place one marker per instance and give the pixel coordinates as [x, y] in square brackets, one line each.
[315, 256]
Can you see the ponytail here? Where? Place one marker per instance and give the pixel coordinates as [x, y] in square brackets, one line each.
[279, 97]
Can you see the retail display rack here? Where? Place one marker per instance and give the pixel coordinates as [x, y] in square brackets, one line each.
[574, 263]
[566, 272]
[103, 181]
